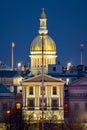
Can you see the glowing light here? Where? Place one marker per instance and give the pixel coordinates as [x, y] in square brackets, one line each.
[67, 81]
[69, 64]
[34, 115]
[45, 52]
[8, 112]
[82, 45]
[19, 64]
[13, 44]
[18, 106]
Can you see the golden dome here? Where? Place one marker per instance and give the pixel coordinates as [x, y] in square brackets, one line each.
[49, 44]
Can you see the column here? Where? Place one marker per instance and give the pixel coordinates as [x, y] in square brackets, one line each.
[59, 96]
[62, 96]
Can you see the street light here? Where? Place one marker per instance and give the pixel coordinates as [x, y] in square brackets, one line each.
[19, 116]
[8, 112]
[19, 66]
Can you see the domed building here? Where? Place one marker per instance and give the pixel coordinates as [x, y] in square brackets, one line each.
[43, 93]
[36, 48]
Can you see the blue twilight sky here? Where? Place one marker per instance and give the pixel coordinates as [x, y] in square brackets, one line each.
[67, 25]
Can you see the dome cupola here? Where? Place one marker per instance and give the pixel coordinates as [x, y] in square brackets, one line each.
[49, 44]
[49, 48]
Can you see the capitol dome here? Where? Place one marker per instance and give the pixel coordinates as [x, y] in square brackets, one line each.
[49, 44]
[49, 48]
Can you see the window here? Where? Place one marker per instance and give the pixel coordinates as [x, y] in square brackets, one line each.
[66, 107]
[54, 68]
[54, 104]
[54, 91]
[31, 90]
[30, 104]
[18, 105]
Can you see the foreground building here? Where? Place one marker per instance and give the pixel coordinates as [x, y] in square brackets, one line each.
[11, 80]
[78, 98]
[53, 97]
[7, 101]
[75, 108]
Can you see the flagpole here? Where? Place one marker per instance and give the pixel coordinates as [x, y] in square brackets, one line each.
[13, 55]
[81, 53]
[81, 56]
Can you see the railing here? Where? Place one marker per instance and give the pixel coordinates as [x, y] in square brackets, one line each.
[45, 108]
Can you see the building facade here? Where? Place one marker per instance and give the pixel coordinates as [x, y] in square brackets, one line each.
[53, 98]
[78, 98]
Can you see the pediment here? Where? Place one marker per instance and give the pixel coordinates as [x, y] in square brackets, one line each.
[47, 78]
[81, 81]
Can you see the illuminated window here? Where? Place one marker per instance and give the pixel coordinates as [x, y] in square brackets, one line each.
[18, 105]
[54, 91]
[31, 90]
[66, 107]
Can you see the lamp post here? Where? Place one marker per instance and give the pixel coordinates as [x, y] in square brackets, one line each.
[19, 116]
[8, 112]
[19, 66]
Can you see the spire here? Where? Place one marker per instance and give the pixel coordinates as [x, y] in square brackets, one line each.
[43, 27]
[43, 15]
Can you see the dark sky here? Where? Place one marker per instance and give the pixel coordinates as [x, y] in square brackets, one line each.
[67, 25]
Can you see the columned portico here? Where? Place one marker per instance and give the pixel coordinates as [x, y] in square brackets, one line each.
[53, 99]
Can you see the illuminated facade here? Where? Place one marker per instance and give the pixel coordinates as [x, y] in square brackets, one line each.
[36, 49]
[53, 98]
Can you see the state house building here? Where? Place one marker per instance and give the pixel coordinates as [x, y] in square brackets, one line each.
[32, 86]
